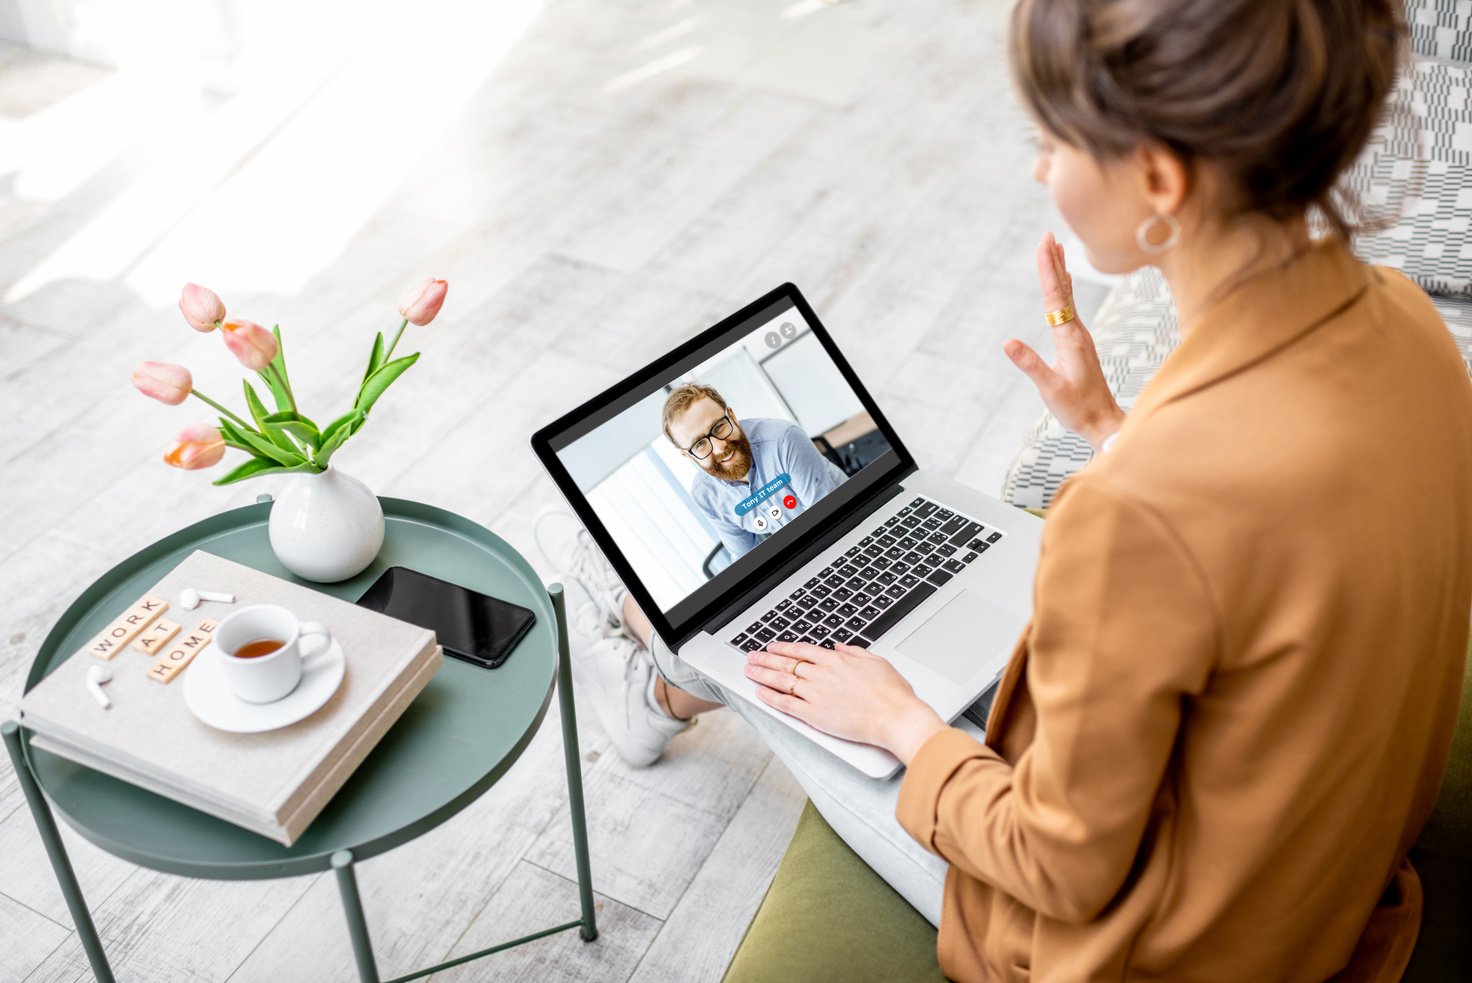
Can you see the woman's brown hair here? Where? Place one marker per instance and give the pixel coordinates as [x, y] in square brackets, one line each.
[1279, 96]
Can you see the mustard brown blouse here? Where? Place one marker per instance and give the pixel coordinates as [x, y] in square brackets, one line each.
[1228, 718]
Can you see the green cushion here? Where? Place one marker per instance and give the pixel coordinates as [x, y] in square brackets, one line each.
[828, 916]
[1443, 859]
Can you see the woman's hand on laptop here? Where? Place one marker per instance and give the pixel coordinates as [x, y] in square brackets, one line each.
[845, 691]
[1073, 388]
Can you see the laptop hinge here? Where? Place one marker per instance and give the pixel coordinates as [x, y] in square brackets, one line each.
[857, 513]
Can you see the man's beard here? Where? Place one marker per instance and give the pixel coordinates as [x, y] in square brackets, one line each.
[740, 464]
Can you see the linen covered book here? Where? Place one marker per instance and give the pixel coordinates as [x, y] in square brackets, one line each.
[273, 783]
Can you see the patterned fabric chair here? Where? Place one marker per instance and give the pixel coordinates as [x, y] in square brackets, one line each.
[1418, 166]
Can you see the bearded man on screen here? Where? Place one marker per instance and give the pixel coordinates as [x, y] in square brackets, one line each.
[738, 459]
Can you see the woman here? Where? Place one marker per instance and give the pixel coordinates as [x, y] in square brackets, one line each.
[1227, 721]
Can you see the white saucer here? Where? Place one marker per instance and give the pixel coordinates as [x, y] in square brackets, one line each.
[208, 695]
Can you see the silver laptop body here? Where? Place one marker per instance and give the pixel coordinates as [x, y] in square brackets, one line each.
[951, 647]
[927, 572]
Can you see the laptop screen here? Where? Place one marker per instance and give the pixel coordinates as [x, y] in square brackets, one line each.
[705, 466]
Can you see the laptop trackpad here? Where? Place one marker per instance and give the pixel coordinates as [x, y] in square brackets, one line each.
[958, 638]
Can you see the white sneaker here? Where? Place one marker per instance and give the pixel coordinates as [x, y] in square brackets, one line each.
[595, 597]
[616, 674]
[611, 668]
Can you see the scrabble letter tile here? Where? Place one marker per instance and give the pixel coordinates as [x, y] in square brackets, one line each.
[122, 631]
[181, 652]
[155, 637]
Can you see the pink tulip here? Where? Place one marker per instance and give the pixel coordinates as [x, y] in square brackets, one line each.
[163, 381]
[199, 446]
[421, 302]
[201, 307]
[249, 342]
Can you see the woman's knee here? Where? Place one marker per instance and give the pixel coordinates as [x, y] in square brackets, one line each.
[678, 674]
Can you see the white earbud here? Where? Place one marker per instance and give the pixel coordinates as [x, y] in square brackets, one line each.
[189, 598]
[96, 676]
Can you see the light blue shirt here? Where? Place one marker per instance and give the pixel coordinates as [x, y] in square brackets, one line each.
[778, 447]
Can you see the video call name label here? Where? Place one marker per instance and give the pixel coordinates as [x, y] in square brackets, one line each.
[767, 491]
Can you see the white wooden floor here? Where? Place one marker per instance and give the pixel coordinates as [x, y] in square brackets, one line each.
[596, 179]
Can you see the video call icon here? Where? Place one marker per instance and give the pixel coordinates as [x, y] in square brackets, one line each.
[774, 512]
[786, 332]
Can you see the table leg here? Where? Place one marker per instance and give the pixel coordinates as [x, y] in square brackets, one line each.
[352, 907]
[589, 929]
[56, 850]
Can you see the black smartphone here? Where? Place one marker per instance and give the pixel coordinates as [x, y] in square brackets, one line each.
[470, 625]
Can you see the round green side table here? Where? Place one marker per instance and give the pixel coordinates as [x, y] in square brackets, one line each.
[458, 737]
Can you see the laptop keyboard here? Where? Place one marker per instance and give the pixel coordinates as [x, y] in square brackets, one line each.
[870, 588]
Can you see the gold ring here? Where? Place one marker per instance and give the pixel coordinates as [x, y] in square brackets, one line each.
[792, 690]
[1062, 315]
[793, 668]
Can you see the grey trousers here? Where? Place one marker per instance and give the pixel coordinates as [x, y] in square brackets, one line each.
[859, 808]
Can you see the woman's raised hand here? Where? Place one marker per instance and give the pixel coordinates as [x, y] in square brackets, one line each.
[1073, 387]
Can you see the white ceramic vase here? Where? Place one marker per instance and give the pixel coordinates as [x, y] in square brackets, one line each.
[326, 527]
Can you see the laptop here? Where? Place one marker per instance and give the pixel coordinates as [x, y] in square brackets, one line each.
[746, 487]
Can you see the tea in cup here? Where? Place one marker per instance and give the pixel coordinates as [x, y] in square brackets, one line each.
[264, 650]
[258, 648]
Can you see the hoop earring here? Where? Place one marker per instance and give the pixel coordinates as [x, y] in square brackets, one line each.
[1143, 232]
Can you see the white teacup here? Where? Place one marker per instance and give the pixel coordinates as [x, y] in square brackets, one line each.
[280, 638]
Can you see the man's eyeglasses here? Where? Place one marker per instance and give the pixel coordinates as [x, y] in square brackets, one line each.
[703, 447]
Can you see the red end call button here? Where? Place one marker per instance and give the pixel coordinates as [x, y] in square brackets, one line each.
[789, 502]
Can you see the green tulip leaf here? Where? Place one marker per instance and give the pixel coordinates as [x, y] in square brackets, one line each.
[375, 360]
[278, 391]
[262, 447]
[324, 456]
[283, 397]
[338, 434]
[234, 436]
[348, 419]
[296, 425]
[307, 435]
[253, 402]
[259, 414]
[286, 416]
[257, 467]
[381, 379]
